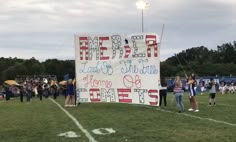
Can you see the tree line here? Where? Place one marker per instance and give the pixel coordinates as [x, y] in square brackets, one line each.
[10, 67]
[200, 60]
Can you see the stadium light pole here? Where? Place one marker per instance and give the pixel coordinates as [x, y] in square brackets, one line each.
[142, 5]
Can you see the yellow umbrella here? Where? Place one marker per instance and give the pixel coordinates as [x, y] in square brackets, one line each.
[63, 82]
[11, 82]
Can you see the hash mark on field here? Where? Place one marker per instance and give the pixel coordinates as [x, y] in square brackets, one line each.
[87, 134]
[198, 117]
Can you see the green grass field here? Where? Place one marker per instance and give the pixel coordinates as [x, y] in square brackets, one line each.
[43, 120]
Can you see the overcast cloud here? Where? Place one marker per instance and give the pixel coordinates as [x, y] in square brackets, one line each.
[45, 28]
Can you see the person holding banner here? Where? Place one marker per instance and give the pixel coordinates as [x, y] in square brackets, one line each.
[69, 93]
[163, 91]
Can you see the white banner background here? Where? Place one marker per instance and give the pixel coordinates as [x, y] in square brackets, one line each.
[118, 68]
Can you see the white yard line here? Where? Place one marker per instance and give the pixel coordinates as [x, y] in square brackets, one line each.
[198, 117]
[87, 134]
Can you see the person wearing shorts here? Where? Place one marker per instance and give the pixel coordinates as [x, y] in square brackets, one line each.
[192, 94]
[212, 92]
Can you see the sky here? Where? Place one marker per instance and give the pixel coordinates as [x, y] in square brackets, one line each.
[45, 29]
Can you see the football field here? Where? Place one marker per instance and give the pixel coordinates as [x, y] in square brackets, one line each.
[50, 121]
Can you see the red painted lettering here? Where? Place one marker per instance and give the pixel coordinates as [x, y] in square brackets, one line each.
[130, 81]
[153, 94]
[95, 95]
[127, 51]
[151, 42]
[84, 48]
[123, 96]
[102, 49]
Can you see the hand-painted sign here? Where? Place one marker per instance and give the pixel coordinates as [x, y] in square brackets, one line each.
[118, 68]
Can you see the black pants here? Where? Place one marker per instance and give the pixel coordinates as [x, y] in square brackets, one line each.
[54, 95]
[21, 97]
[40, 94]
[163, 94]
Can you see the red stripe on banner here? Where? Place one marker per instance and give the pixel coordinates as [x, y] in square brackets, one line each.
[83, 48]
[83, 38]
[152, 44]
[123, 95]
[153, 103]
[125, 100]
[124, 90]
[103, 48]
[150, 36]
[104, 38]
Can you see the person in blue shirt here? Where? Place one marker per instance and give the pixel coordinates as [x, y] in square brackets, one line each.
[69, 93]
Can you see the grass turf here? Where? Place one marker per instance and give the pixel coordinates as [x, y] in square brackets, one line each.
[43, 121]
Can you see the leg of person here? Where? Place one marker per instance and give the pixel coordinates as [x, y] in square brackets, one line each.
[177, 102]
[21, 97]
[40, 96]
[209, 102]
[160, 99]
[191, 94]
[213, 98]
[181, 103]
[73, 100]
[191, 104]
[67, 100]
[165, 103]
[70, 100]
[195, 104]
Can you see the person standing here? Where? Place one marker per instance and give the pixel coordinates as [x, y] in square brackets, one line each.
[7, 92]
[28, 91]
[163, 91]
[40, 91]
[22, 92]
[69, 93]
[192, 94]
[212, 91]
[178, 92]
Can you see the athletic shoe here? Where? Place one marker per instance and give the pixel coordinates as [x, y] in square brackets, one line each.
[190, 109]
[197, 110]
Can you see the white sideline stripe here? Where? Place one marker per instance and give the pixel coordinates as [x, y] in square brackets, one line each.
[198, 117]
[207, 103]
[87, 134]
[218, 104]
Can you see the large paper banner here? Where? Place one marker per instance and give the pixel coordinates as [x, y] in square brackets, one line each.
[118, 68]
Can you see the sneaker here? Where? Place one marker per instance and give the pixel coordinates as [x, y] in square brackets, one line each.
[197, 110]
[190, 109]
